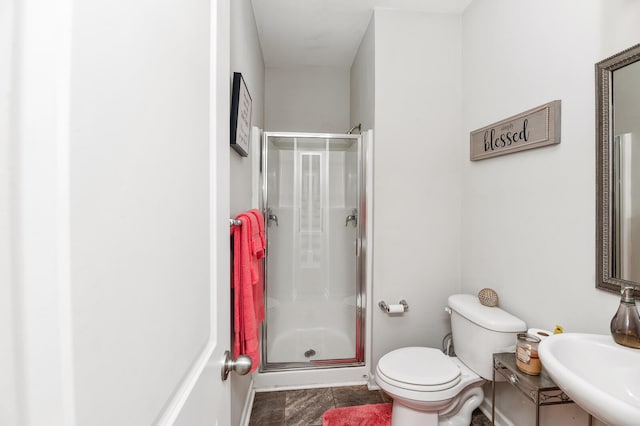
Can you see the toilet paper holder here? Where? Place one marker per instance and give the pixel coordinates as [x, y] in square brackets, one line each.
[385, 308]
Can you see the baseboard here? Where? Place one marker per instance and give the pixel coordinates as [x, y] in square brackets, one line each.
[308, 379]
[248, 405]
[312, 386]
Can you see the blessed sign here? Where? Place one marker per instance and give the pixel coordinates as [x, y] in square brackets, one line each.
[531, 129]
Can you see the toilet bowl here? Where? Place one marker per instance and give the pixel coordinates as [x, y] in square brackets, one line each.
[430, 388]
[427, 387]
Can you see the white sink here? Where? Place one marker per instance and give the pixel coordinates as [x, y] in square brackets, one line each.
[597, 373]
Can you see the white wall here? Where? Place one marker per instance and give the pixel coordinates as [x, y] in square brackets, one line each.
[416, 235]
[362, 100]
[528, 219]
[246, 58]
[311, 99]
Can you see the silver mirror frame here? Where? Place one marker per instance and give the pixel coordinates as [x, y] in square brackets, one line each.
[604, 120]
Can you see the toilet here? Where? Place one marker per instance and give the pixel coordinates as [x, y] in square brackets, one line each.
[430, 388]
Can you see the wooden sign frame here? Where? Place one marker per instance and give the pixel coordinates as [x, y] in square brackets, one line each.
[534, 128]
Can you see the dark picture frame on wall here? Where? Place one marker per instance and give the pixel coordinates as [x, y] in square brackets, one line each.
[240, 115]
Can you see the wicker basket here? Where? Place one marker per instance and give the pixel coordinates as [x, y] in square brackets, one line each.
[488, 297]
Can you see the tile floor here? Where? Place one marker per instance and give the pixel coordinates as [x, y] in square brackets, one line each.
[305, 407]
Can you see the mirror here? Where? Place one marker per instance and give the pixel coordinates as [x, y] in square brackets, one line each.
[618, 171]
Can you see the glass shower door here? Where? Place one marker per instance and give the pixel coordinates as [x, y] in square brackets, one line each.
[313, 289]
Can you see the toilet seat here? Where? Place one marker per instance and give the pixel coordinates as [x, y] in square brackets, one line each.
[419, 369]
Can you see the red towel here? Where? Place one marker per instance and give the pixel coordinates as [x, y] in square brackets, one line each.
[257, 238]
[259, 246]
[255, 248]
[247, 285]
[360, 415]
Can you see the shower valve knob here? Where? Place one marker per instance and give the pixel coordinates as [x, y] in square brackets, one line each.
[352, 217]
[241, 365]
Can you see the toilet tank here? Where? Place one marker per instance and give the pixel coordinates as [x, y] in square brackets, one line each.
[479, 331]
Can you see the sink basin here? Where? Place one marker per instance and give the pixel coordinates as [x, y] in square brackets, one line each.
[597, 373]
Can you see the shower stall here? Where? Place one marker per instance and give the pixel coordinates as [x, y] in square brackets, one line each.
[313, 199]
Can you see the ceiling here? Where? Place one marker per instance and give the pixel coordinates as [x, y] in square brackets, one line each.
[307, 33]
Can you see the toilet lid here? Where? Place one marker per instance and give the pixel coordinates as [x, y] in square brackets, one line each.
[420, 366]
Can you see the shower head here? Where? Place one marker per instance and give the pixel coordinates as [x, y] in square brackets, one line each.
[357, 126]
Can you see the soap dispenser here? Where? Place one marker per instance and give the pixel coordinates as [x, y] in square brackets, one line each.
[625, 324]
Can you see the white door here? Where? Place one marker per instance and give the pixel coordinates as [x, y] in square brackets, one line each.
[138, 335]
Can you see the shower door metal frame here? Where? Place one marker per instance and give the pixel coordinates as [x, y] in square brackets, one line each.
[358, 360]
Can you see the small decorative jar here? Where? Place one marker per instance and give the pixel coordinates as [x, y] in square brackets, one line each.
[527, 358]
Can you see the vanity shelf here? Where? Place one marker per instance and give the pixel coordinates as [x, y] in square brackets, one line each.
[541, 390]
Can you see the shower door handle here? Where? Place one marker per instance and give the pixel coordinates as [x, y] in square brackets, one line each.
[240, 365]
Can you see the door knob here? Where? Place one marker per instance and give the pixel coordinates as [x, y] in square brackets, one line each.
[240, 365]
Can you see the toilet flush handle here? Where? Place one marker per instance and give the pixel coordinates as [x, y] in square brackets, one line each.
[447, 310]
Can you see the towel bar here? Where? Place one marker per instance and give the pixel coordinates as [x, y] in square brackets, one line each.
[235, 222]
